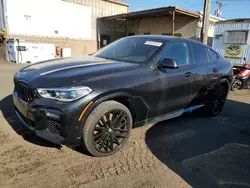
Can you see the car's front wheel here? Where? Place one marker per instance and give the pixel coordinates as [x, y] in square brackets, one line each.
[217, 101]
[107, 128]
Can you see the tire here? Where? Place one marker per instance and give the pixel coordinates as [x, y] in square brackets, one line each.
[217, 101]
[236, 85]
[107, 129]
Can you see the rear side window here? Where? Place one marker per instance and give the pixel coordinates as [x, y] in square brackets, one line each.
[200, 53]
[212, 55]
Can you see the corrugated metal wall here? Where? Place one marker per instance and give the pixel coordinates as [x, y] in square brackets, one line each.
[220, 28]
[101, 8]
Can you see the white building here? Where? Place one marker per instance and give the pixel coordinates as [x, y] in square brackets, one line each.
[232, 40]
[64, 23]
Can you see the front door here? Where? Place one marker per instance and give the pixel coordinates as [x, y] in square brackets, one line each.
[171, 87]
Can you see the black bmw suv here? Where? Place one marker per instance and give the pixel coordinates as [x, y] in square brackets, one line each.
[95, 101]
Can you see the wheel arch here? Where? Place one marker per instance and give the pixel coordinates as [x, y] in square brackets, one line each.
[224, 82]
[122, 97]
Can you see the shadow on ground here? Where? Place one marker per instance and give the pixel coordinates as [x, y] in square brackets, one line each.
[206, 152]
[8, 111]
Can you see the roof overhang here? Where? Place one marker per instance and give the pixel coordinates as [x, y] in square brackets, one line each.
[119, 2]
[238, 20]
[151, 13]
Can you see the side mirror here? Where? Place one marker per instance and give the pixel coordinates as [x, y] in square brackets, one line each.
[168, 63]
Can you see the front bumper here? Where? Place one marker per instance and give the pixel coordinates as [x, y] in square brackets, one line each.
[62, 128]
[44, 133]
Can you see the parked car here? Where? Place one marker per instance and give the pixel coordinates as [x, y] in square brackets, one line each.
[95, 101]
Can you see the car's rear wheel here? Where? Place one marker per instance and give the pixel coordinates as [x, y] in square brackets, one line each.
[217, 101]
[107, 128]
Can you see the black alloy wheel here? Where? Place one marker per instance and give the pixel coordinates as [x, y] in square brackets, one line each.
[218, 100]
[107, 128]
[111, 130]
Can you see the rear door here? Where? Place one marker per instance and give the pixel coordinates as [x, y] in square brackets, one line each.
[205, 72]
[215, 71]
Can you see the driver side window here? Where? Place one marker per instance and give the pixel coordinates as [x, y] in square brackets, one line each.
[177, 51]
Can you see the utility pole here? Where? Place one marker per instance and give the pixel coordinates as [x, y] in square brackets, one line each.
[218, 11]
[205, 21]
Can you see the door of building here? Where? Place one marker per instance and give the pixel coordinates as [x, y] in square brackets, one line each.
[104, 40]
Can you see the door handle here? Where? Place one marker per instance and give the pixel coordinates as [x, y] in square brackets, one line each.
[188, 74]
[215, 70]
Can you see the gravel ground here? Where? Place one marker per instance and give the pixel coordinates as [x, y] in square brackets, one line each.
[190, 151]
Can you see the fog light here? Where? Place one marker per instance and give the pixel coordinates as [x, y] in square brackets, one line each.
[51, 114]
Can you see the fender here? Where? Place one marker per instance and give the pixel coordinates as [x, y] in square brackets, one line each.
[138, 106]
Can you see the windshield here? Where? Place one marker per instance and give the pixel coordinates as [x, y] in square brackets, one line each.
[135, 50]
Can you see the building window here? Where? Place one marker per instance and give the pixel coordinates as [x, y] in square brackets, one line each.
[236, 37]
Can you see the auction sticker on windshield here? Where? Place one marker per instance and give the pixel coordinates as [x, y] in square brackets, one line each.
[153, 43]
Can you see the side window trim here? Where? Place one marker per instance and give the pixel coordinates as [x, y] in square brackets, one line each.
[217, 55]
[169, 45]
[208, 55]
[210, 51]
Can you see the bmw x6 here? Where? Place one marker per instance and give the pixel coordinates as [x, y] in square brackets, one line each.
[95, 101]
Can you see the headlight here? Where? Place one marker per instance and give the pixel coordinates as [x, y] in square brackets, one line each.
[64, 94]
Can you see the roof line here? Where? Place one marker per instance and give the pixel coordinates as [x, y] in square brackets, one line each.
[119, 2]
[211, 16]
[236, 19]
[187, 12]
[171, 8]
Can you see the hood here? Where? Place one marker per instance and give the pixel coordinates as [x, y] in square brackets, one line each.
[69, 71]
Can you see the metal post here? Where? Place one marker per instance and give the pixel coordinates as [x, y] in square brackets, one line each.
[6, 26]
[173, 22]
[98, 32]
[114, 31]
[206, 18]
[126, 25]
[203, 20]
